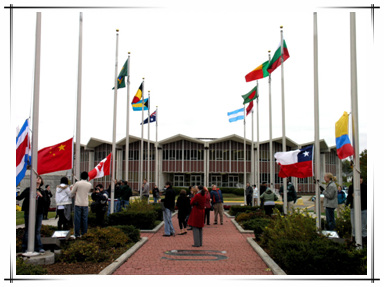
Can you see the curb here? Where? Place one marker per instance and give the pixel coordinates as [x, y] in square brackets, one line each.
[227, 214]
[267, 260]
[156, 228]
[124, 257]
[240, 229]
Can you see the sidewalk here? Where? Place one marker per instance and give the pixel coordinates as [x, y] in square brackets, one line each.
[225, 251]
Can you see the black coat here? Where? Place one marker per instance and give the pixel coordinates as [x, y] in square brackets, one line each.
[169, 200]
[183, 206]
[363, 196]
[39, 202]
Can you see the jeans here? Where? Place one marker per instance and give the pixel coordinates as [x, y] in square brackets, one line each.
[116, 207]
[38, 245]
[81, 220]
[124, 203]
[168, 226]
[330, 216]
[155, 199]
[363, 222]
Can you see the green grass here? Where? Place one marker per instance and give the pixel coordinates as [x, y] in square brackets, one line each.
[20, 216]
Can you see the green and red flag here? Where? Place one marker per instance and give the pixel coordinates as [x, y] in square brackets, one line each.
[258, 73]
[276, 60]
[249, 97]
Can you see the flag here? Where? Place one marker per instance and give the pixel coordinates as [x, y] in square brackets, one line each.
[55, 158]
[236, 115]
[138, 106]
[121, 77]
[152, 118]
[250, 107]
[276, 60]
[23, 151]
[297, 163]
[137, 97]
[250, 96]
[343, 144]
[258, 73]
[102, 169]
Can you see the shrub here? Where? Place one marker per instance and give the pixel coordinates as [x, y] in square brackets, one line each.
[343, 224]
[84, 251]
[24, 268]
[235, 209]
[143, 219]
[132, 232]
[257, 225]
[245, 216]
[106, 238]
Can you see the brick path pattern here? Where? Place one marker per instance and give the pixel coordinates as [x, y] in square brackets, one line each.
[155, 257]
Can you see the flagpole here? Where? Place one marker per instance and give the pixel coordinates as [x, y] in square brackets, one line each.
[79, 75]
[156, 151]
[253, 156]
[258, 148]
[245, 156]
[355, 130]
[114, 131]
[127, 128]
[142, 142]
[35, 141]
[283, 114]
[149, 125]
[271, 161]
[317, 137]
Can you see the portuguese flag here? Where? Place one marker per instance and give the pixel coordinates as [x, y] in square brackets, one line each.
[253, 94]
[258, 73]
[276, 60]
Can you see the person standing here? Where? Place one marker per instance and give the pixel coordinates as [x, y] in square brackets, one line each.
[255, 195]
[248, 194]
[63, 204]
[263, 188]
[184, 208]
[363, 200]
[207, 206]
[217, 200]
[169, 207]
[269, 198]
[340, 201]
[80, 191]
[156, 194]
[330, 200]
[39, 215]
[145, 189]
[100, 197]
[47, 200]
[291, 196]
[126, 193]
[196, 218]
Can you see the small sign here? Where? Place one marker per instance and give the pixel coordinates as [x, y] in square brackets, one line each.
[61, 234]
[330, 233]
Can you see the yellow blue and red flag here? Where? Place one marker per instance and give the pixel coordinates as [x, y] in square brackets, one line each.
[343, 144]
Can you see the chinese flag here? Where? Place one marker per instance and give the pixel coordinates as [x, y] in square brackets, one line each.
[55, 158]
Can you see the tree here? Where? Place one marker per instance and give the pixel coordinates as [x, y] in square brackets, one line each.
[347, 166]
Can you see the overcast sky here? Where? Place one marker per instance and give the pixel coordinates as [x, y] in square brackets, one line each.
[194, 57]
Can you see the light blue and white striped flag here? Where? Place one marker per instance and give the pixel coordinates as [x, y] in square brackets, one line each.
[236, 115]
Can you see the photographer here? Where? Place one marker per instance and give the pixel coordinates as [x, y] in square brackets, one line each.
[99, 204]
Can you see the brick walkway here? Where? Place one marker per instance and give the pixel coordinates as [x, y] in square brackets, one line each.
[238, 257]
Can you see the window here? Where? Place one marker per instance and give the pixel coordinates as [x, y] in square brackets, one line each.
[233, 180]
[216, 180]
[179, 180]
[195, 179]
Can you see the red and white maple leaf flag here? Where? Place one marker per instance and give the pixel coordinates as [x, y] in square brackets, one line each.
[102, 169]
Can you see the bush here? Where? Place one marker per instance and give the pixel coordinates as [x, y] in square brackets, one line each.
[257, 225]
[24, 268]
[106, 238]
[235, 209]
[83, 251]
[343, 224]
[144, 219]
[132, 232]
[245, 216]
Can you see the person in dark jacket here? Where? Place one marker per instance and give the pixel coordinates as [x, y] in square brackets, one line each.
[217, 201]
[100, 199]
[249, 194]
[156, 194]
[125, 195]
[263, 188]
[39, 215]
[363, 200]
[47, 198]
[269, 198]
[169, 207]
[184, 208]
[196, 218]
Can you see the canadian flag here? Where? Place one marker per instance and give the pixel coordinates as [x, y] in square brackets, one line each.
[102, 169]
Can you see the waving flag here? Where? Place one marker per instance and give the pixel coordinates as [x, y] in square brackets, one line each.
[236, 115]
[152, 118]
[139, 105]
[250, 96]
[138, 95]
[343, 144]
[258, 73]
[102, 169]
[249, 108]
[297, 163]
[276, 60]
[55, 158]
[23, 152]
[121, 77]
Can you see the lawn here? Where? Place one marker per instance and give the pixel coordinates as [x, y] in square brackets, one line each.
[20, 216]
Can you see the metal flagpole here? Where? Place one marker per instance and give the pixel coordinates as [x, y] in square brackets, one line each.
[35, 141]
[127, 132]
[114, 131]
[258, 148]
[148, 155]
[317, 137]
[252, 157]
[355, 130]
[142, 142]
[283, 114]
[271, 161]
[78, 119]
[245, 166]
[156, 151]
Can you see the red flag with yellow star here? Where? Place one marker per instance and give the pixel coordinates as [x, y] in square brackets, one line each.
[55, 158]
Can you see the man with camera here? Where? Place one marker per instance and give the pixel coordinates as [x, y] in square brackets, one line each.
[99, 204]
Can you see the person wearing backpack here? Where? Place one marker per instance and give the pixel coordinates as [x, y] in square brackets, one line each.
[100, 199]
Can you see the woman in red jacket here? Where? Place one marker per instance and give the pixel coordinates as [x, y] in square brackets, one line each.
[196, 218]
[207, 205]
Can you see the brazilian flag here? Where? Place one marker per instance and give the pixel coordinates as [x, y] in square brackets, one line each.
[121, 78]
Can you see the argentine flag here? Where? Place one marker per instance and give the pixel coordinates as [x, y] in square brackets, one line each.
[236, 115]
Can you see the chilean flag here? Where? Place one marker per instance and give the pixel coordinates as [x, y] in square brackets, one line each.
[23, 152]
[102, 169]
[297, 163]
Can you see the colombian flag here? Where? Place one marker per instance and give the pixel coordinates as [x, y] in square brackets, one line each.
[258, 73]
[343, 144]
